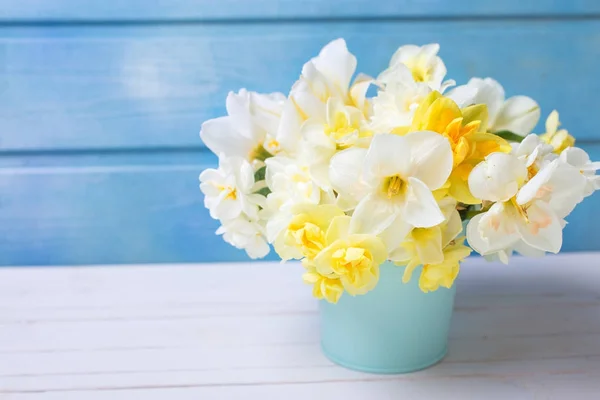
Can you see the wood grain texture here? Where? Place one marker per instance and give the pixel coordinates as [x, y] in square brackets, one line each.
[142, 10]
[523, 331]
[87, 87]
[148, 212]
[111, 209]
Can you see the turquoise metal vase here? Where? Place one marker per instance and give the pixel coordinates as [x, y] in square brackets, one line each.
[393, 329]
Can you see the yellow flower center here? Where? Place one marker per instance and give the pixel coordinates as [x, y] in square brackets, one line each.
[231, 192]
[419, 69]
[521, 209]
[341, 131]
[307, 237]
[352, 262]
[394, 186]
[532, 170]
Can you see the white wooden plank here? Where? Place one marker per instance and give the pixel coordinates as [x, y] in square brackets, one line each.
[528, 330]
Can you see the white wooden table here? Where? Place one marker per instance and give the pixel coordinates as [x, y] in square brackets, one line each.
[530, 330]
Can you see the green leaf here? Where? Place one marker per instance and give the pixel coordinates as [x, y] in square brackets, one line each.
[510, 136]
[264, 191]
[259, 175]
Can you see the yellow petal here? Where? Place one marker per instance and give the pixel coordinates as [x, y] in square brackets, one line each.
[476, 112]
[428, 243]
[373, 244]
[440, 114]
[486, 144]
[419, 118]
[459, 186]
[410, 267]
[338, 229]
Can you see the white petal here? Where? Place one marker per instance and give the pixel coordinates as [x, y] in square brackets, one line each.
[226, 210]
[558, 183]
[358, 91]
[493, 230]
[420, 208]
[237, 105]
[373, 214]
[474, 237]
[575, 156]
[519, 114]
[527, 251]
[288, 133]
[543, 231]
[463, 95]
[266, 110]
[305, 96]
[220, 136]
[396, 233]
[345, 173]
[388, 155]
[314, 133]
[568, 189]
[431, 158]
[490, 93]
[497, 178]
[336, 63]
[257, 248]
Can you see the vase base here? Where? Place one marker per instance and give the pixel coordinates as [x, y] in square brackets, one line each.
[387, 371]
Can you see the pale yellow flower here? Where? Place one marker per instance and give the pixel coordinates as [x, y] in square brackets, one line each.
[443, 274]
[324, 287]
[304, 236]
[354, 258]
[425, 245]
[436, 248]
[560, 139]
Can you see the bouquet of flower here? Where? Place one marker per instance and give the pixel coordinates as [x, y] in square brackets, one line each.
[345, 182]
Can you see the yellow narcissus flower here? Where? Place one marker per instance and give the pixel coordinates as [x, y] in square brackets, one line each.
[304, 236]
[557, 138]
[353, 258]
[443, 274]
[465, 130]
[324, 287]
[425, 245]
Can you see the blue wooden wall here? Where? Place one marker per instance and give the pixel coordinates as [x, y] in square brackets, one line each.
[101, 103]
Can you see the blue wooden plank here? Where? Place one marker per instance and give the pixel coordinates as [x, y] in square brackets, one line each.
[136, 10]
[106, 215]
[151, 87]
[142, 212]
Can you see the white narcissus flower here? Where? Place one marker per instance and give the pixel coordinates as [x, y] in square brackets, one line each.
[228, 190]
[249, 128]
[344, 127]
[396, 102]
[579, 159]
[528, 211]
[245, 234]
[533, 152]
[518, 114]
[287, 175]
[423, 63]
[291, 183]
[393, 180]
[329, 75]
